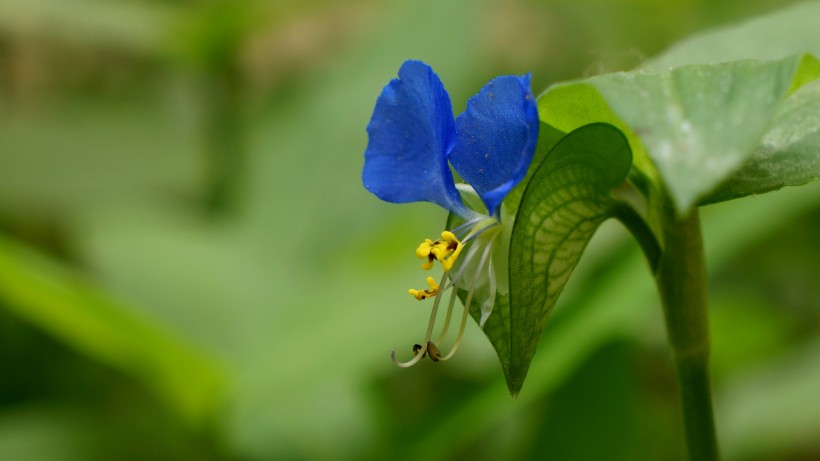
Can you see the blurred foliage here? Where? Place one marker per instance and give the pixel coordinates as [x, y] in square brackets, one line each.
[190, 268]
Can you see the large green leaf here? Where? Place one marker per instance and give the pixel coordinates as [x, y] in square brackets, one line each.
[788, 155]
[690, 126]
[792, 30]
[563, 204]
[699, 113]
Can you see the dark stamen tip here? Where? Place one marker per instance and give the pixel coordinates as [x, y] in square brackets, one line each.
[433, 351]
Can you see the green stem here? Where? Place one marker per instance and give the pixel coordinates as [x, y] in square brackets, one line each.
[636, 224]
[681, 280]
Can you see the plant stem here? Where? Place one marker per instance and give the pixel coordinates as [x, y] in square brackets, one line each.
[681, 279]
[635, 224]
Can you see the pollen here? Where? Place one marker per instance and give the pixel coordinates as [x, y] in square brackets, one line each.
[424, 294]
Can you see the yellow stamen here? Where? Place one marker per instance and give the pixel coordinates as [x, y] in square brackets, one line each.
[454, 246]
[423, 249]
[424, 294]
[445, 250]
[449, 237]
[417, 351]
[428, 249]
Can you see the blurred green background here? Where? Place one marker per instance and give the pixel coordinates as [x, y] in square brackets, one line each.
[190, 268]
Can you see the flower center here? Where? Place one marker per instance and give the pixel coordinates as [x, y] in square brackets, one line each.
[477, 261]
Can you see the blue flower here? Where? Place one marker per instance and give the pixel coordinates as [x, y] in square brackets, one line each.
[413, 142]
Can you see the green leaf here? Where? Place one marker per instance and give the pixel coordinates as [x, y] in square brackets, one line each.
[497, 325]
[63, 303]
[788, 155]
[699, 124]
[623, 301]
[563, 204]
[690, 127]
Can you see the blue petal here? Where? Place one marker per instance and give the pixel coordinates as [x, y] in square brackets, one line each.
[497, 135]
[410, 133]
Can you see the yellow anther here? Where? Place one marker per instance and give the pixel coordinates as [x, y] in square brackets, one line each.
[424, 248]
[432, 283]
[447, 264]
[445, 250]
[449, 237]
[440, 250]
[454, 249]
[424, 294]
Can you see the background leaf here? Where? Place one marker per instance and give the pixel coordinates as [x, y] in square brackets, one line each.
[79, 313]
[566, 200]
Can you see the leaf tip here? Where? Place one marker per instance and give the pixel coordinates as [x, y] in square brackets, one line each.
[514, 382]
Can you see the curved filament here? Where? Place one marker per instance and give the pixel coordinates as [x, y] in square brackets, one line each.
[420, 354]
[448, 317]
[467, 302]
